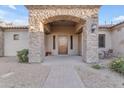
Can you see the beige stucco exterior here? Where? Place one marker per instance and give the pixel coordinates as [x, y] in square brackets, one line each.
[12, 46]
[62, 31]
[117, 36]
[1, 42]
[108, 40]
[111, 41]
[114, 40]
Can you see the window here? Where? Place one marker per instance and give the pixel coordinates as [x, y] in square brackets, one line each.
[71, 42]
[16, 37]
[54, 42]
[101, 40]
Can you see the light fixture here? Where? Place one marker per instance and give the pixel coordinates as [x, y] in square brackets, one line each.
[32, 28]
[93, 28]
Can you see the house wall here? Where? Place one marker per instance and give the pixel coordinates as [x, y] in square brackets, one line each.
[60, 31]
[118, 41]
[114, 40]
[80, 44]
[108, 41]
[1, 42]
[12, 46]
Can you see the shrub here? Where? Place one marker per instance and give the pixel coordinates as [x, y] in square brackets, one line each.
[118, 65]
[96, 66]
[23, 56]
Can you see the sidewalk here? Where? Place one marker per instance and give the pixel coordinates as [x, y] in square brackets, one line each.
[63, 76]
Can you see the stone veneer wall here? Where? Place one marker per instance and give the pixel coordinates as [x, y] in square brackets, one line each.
[47, 15]
[40, 15]
[36, 40]
[90, 41]
[1, 42]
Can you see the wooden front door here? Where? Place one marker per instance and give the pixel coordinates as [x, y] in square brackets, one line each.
[63, 45]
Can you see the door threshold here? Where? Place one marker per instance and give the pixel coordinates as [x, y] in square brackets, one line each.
[62, 55]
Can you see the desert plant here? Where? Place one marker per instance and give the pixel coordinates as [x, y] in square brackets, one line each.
[118, 65]
[96, 66]
[23, 56]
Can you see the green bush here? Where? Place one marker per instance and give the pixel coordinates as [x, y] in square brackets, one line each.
[96, 66]
[118, 65]
[23, 56]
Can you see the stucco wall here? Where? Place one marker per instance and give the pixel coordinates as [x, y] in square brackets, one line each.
[118, 41]
[12, 46]
[1, 42]
[114, 40]
[60, 31]
[80, 44]
[107, 39]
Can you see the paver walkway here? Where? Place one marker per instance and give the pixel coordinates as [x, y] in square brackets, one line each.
[63, 75]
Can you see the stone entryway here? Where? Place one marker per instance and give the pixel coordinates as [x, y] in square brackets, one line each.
[82, 18]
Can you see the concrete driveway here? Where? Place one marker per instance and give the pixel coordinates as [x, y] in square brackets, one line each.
[63, 73]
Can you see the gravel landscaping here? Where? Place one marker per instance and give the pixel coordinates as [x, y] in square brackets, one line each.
[17, 75]
[100, 78]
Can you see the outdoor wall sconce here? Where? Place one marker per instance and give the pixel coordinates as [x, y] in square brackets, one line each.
[93, 28]
[32, 28]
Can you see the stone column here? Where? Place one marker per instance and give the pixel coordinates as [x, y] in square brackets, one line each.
[1, 43]
[90, 40]
[36, 40]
